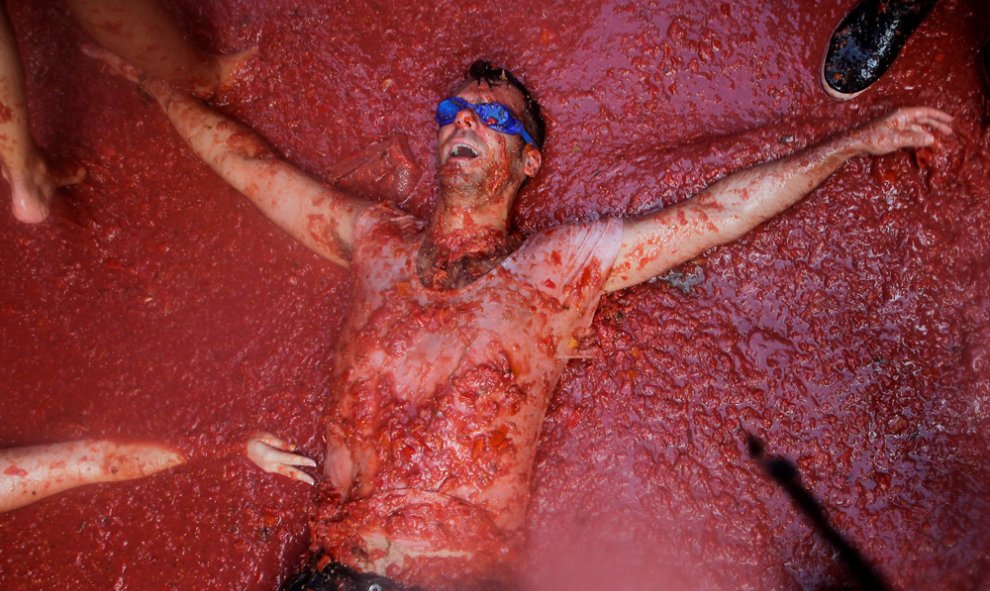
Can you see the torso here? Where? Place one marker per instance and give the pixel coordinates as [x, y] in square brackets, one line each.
[439, 395]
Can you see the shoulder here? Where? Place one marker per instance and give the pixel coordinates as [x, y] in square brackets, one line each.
[571, 243]
[561, 257]
[382, 217]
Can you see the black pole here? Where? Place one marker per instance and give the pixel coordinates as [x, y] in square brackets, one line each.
[786, 474]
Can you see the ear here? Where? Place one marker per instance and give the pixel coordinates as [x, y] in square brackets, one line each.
[532, 159]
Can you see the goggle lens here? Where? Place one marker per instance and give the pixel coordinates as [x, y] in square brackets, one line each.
[495, 115]
[448, 109]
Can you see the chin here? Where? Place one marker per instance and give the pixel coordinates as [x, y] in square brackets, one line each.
[460, 174]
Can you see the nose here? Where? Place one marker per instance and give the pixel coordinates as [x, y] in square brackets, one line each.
[466, 118]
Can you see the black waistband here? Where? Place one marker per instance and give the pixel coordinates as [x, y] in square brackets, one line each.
[337, 577]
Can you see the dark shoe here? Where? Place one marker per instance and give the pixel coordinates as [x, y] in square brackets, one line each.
[867, 42]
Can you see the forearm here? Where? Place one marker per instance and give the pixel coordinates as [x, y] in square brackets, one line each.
[232, 150]
[743, 200]
[320, 217]
[317, 216]
[223, 144]
[29, 474]
[654, 243]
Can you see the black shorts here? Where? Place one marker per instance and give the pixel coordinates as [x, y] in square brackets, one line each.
[337, 577]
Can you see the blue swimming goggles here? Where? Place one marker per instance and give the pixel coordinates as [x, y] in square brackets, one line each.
[495, 115]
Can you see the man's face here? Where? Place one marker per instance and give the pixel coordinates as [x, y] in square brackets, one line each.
[472, 155]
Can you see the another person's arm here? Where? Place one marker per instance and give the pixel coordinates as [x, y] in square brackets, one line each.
[143, 33]
[29, 474]
[654, 243]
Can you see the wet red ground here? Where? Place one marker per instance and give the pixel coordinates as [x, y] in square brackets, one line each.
[852, 334]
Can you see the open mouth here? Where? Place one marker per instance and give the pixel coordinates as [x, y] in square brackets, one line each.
[463, 151]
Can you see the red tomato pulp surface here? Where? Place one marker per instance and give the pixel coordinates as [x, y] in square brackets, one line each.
[851, 334]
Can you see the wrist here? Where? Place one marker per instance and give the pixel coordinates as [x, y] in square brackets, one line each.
[851, 145]
[158, 90]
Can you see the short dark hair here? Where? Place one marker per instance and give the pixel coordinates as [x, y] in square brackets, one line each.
[483, 71]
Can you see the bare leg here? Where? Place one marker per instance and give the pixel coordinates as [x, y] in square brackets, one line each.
[32, 183]
[141, 32]
[29, 474]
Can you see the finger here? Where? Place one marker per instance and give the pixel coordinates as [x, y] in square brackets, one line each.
[904, 139]
[922, 131]
[934, 118]
[921, 112]
[117, 63]
[288, 459]
[940, 126]
[233, 63]
[296, 474]
[919, 139]
[907, 116]
[94, 51]
[104, 55]
[937, 114]
[71, 175]
[271, 440]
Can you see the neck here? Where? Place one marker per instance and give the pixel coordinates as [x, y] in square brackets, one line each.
[457, 230]
[466, 238]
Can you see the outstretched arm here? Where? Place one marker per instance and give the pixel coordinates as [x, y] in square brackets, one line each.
[655, 243]
[29, 474]
[316, 215]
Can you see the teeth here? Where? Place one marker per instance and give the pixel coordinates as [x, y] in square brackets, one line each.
[463, 151]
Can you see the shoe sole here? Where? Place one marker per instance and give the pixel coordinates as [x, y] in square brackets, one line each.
[835, 94]
[844, 96]
[839, 96]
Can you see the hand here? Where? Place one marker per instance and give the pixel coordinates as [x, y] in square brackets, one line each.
[271, 455]
[119, 66]
[159, 90]
[908, 127]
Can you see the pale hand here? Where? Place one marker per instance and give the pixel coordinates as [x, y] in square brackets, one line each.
[117, 64]
[908, 127]
[272, 455]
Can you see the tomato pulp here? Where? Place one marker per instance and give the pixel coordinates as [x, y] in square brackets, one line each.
[851, 334]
